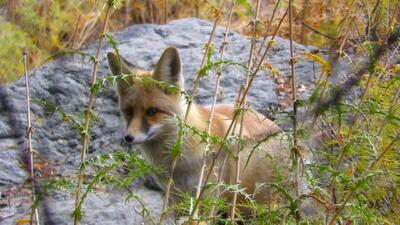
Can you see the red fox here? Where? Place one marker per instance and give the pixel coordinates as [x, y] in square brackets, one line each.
[150, 112]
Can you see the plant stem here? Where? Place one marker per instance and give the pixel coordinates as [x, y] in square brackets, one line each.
[211, 115]
[30, 152]
[367, 85]
[268, 28]
[203, 61]
[392, 19]
[237, 158]
[392, 104]
[163, 215]
[235, 116]
[195, 86]
[165, 11]
[85, 135]
[370, 167]
[296, 152]
[304, 16]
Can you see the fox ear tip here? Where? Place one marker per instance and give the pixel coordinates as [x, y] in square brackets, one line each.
[172, 50]
[111, 55]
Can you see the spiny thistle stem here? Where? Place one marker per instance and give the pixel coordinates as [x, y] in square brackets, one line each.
[237, 157]
[207, 49]
[85, 135]
[295, 149]
[395, 96]
[30, 152]
[211, 116]
[163, 215]
[268, 28]
[367, 85]
[195, 86]
[392, 19]
[392, 104]
[235, 116]
[348, 197]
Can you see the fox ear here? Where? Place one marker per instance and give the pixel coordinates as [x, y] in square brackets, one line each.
[169, 68]
[118, 66]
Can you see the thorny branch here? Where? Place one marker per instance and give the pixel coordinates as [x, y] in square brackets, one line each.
[30, 150]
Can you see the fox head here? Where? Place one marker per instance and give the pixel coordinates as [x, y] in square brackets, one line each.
[148, 109]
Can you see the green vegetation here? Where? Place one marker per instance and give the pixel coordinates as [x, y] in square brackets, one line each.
[358, 179]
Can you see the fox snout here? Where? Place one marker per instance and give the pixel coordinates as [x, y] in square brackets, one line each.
[138, 135]
[135, 139]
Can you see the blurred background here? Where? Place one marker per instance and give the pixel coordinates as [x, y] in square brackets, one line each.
[43, 27]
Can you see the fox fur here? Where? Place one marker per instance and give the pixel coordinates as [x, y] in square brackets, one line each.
[150, 113]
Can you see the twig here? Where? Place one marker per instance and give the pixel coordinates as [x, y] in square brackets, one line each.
[304, 15]
[392, 19]
[30, 152]
[85, 134]
[195, 86]
[268, 28]
[392, 104]
[165, 11]
[370, 167]
[207, 49]
[197, 8]
[235, 116]
[237, 158]
[211, 116]
[317, 31]
[294, 117]
[335, 99]
[367, 85]
[75, 32]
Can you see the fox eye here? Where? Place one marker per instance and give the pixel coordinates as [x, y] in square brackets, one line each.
[151, 111]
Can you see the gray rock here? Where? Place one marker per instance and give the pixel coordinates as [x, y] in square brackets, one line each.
[65, 82]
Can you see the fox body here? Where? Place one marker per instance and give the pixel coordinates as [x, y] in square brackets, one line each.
[150, 112]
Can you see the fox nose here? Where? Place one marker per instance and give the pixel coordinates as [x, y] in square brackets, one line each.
[129, 138]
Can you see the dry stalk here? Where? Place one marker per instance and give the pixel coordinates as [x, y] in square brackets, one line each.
[30, 152]
[211, 116]
[165, 11]
[85, 135]
[305, 13]
[268, 28]
[195, 86]
[392, 19]
[237, 157]
[367, 85]
[235, 116]
[219, 173]
[296, 162]
[395, 96]
[197, 8]
[380, 130]
[73, 37]
[392, 105]
[207, 49]
[339, 210]
[126, 12]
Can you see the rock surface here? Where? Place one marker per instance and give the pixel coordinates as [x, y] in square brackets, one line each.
[65, 83]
